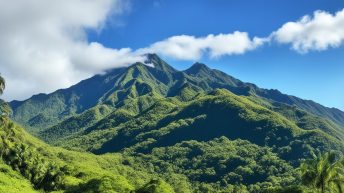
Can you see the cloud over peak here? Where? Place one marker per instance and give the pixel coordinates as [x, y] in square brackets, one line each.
[185, 47]
[44, 46]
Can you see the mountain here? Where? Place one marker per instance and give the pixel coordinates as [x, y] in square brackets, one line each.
[200, 130]
[45, 110]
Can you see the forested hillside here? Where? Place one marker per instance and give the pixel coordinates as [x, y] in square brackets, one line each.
[157, 129]
[29, 165]
[112, 88]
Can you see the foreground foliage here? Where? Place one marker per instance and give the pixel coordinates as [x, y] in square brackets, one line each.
[51, 169]
[324, 173]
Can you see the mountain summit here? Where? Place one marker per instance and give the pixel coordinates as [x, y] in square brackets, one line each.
[197, 68]
[117, 85]
[159, 63]
[183, 124]
[124, 93]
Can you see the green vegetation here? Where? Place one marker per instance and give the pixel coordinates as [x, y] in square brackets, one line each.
[159, 130]
[2, 84]
[12, 182]
[42, 111]
[324, 173]
[220, 164]
[54, 169]
[29, 165]
[206, 117]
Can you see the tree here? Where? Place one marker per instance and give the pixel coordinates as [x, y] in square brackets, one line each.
[156, 186]
[2, 84]
[4, 108]
[323, 173]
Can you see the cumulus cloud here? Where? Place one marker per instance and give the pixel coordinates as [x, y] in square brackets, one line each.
[44, 46]
[318, 32]
[185, 47]
[43, 43]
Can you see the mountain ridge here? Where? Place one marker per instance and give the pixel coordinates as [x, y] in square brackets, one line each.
[137, 87]
[200, 130]
[198, 75]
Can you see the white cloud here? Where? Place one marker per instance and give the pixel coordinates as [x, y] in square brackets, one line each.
[44, 46]
[186, 47]
[320, 32]
[43, 43]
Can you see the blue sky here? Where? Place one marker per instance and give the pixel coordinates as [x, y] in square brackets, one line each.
[317, 75]
[47, 45]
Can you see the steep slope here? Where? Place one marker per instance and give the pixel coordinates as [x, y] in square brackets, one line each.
[213, 140]
[333, 114]
[43, 111]
[200, 130]
[29, 165]
[12, 182]
[128, 94]
[217, 79]
[220, 113]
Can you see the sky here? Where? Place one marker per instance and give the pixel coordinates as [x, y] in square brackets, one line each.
[291, 45]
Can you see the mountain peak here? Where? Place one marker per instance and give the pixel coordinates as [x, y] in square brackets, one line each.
[200, 65]
[152, 56]
[158, 63]
[137, 64]
[197, 68]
